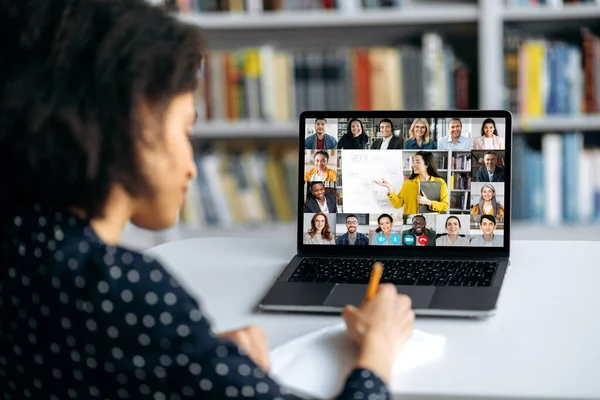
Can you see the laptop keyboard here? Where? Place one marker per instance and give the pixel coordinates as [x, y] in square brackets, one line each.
[398, 272]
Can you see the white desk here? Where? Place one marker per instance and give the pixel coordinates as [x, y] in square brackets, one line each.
[543, 343]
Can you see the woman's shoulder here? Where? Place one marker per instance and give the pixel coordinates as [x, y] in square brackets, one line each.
[67, 246]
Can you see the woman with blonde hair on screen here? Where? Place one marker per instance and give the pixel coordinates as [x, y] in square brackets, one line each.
[321, 172]
[419, 136]
[487, 203]
[489, 139]
[424, 170]
[452, 237]
[319, 232]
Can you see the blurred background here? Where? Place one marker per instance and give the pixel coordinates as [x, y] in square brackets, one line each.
[270, 59]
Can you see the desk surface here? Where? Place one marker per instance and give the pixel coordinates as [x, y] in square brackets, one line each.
[541, 344]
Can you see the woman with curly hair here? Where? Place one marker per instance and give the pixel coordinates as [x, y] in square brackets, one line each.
[96, 113]
[320, 231]
[355, 136]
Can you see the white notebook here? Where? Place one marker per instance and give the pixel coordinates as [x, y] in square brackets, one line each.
[318, 363]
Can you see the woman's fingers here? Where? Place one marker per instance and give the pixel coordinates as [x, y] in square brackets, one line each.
[253, 340]
[355, 322]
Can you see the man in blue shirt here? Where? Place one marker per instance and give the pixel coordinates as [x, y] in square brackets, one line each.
[454, 141]
[320, 140]
[352, 237]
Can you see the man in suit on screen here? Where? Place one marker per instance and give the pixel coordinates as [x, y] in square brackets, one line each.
[490, 172]
[387, 141]
[320, 201]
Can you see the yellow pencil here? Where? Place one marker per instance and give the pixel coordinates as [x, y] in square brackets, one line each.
[376, 273]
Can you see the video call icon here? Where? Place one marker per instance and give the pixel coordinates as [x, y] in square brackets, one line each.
[409, 240]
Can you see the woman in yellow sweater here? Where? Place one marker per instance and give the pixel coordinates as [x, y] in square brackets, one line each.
[321, 172]
[487, 203]
[409, 196]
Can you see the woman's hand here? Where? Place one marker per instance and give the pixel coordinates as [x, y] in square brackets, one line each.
[422, 199]
[253, 340]
[384, 183]
[380, 327]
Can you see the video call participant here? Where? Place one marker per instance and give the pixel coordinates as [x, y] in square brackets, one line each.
[320, 140]
[423, 170]
[388, 140]
[319, 232]
[452, 236]
[489, 139]
[352, 236]
[419, 136]
[320, 202]
[487, 223]
[487, 202]
[355, 136]
[490, 172]
[321, 172]
[419, 234]
[454, 141]
[384, 235]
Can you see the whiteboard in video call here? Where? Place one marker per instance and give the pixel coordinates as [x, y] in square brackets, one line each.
[360, 169]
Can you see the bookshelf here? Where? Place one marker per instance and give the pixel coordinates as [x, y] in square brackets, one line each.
[475, 29]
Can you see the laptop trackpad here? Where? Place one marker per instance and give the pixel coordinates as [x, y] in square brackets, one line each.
[354, 294]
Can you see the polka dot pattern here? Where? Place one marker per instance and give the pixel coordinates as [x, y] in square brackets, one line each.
[82, 319]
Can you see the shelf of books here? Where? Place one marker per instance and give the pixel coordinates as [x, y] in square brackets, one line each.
[264, 67]
[553, 87]
[274, 85]
[243, 184]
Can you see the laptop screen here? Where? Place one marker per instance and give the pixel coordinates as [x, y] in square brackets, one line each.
[438, 180]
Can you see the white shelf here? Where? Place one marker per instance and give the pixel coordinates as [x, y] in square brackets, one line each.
[557, 123]
[334, 19]
[265, 129]
[522, 230]
[564, 13]
[246, 129]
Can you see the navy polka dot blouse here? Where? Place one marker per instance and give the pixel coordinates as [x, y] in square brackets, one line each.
[82, 319]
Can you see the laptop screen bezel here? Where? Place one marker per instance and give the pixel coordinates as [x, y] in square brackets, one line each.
[407, 251]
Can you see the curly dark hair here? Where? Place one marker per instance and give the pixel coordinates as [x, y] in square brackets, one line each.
[76, 75]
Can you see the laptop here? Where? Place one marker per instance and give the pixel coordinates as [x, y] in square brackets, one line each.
[450, 257]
